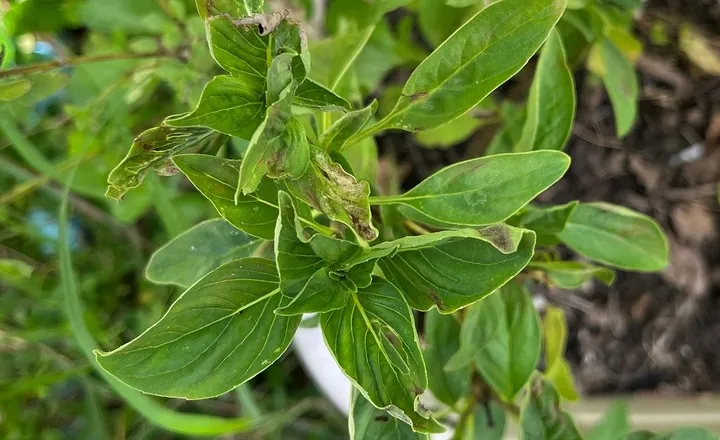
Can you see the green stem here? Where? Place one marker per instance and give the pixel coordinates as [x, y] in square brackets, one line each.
[386, 200]
[51, 65]
[247, 401]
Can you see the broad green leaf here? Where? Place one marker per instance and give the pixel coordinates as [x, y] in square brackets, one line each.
[547, 221]
[239, 49]
[484, 53]
[374, 341]
[551, 104]
[457, 272]
[614, 425]
[573, 274]
[482, 321]
[155, 149]
[219, 333]
[485, 190]
[542, 418]
[369, 423]
[230, 105]
[14, 269]
[324, 291]
[508, 359]
[14, 88]
[620, 80]
[450, 134]
[338, 134]
[328, 188]
[363, 158]
[335, 56]
[616, 236]
[485, 423]
[442, 333]
[513, 116]
[557, 368]
[197, 251]
[314, 95]
[216, 178]
[210, 8]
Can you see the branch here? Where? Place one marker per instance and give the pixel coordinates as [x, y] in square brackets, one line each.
[50, 65]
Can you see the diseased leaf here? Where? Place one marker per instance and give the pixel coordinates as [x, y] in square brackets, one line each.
[197, 251]
[328, 188]
[457, 272]
[573, 274]
[614, 425]
[484, 53]
[219, 333]
[616, 236]
[314, 95]
[216, 178]
[507, 360]
[557, 368]
[231, 105]
[374, 341]
[337, 135]
[442, 333]
[542, 418]
[620, 80]
[485, 190]
[486, 423]
[154, 149]
[239, 49]
[369, 423]
[551, 104]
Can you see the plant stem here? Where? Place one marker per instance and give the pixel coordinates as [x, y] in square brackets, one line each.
[385, 200]
[50, 65]
[464, 416]
[247, 402]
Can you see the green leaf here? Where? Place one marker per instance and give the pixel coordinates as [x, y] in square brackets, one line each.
[450, 134]
[338, 134]
[486, 423]
[693, 433]
[326, 187]
[374, 341]
[437, 30]
[513, 116]
[614, 425]
[542, 418]
[547, 221]
[458, 271]
[14, 269]
[616, 236]
[482, 321]
[314, 95]
[369, 423]
[155, 149]
[219, 333]
[335, 56]
[14, 88]
[573, 274]
[216, 178]
[646, 435]
[551, 104]
[557, 368]
[507, 360]
[323, 292]
[197, 251]
[230, 105]
[363, 158]
[442, 333]
[485, 190]
[240, 50]
[620, 80]
[484, 53]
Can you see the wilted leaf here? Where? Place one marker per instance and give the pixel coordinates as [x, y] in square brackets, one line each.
[154, 149]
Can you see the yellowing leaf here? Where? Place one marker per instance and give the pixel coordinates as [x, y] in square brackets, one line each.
[699, 50]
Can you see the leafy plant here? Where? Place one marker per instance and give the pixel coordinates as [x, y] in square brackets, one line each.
[282, 145]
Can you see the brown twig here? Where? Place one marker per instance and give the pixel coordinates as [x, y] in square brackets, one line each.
[57, 64]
